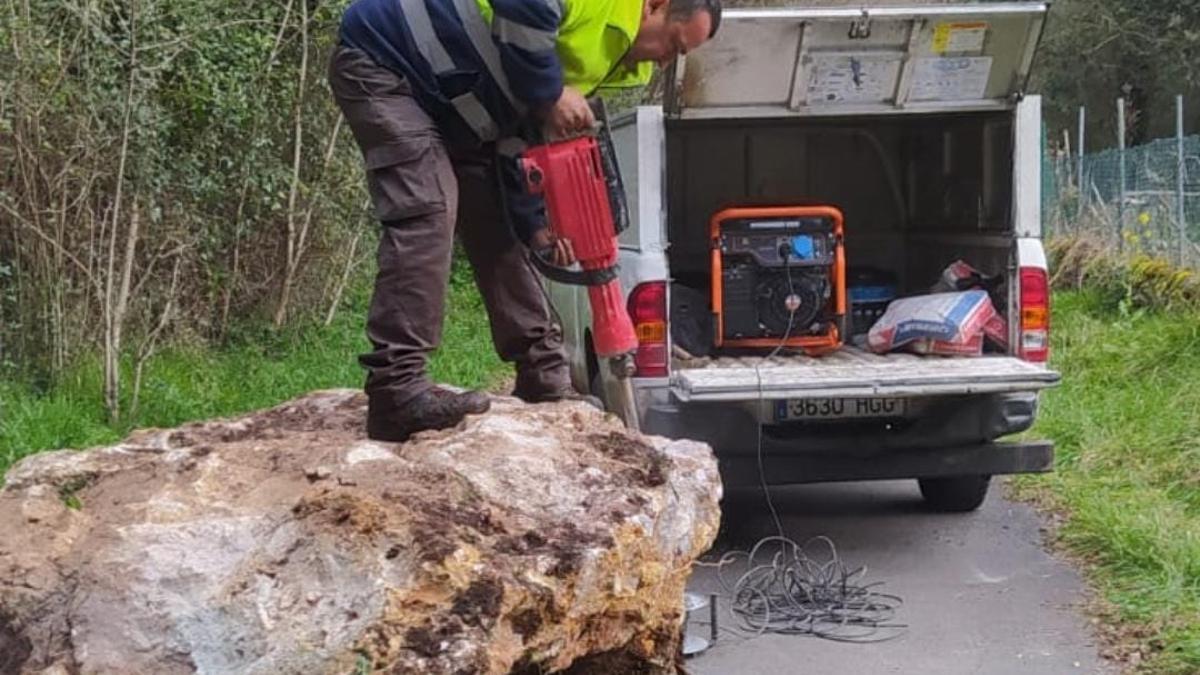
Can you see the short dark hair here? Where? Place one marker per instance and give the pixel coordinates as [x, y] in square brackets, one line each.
[682, 10]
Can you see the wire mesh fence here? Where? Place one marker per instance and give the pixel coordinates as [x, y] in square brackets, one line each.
[1141, 200]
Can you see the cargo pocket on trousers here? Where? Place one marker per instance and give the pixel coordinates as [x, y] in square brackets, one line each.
[403, 179]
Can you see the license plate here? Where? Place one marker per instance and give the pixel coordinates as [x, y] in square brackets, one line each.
[840, 408]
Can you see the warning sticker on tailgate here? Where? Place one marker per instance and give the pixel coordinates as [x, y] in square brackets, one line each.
[960, 38]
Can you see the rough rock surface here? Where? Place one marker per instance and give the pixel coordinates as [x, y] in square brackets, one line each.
[532, 539]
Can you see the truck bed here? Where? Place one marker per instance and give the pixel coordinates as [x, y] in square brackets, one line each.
[852, 372]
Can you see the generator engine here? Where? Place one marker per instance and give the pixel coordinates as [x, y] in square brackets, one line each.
[779, 278]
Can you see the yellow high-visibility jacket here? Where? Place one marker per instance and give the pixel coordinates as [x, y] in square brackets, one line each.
[593, 38]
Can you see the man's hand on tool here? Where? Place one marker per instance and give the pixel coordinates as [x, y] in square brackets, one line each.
[570, 115]
[561, 251]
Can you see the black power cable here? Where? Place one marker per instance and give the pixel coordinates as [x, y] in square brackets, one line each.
[782, 590]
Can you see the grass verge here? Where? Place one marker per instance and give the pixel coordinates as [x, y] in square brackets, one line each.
[1127, 424]
[261, 368]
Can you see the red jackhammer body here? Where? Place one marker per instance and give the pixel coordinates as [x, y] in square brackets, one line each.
[571, 176]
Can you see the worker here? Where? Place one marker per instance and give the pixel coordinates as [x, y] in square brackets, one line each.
[428, 87]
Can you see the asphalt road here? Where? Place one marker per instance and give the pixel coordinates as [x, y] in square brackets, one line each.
[981, 594]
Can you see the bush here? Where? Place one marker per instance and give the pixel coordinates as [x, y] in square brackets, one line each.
[1136, 281]
[166, 166]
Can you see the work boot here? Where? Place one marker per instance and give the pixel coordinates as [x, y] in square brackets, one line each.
[433, 409]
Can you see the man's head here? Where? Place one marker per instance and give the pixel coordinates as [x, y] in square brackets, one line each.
[673, 27]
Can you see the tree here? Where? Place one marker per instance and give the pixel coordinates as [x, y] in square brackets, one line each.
[165, 166]
[1096, 51]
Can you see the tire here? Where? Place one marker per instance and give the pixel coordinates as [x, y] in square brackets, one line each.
[955, 495]
[595, 384]
[596, 391]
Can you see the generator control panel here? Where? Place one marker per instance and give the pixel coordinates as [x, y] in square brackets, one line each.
[776, 243]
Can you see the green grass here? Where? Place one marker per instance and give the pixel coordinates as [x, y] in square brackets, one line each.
[259, 369]
[1127, 426]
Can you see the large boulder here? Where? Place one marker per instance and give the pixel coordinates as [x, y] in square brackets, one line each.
[531, 539]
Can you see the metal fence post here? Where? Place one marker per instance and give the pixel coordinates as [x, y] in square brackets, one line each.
[1124, 186]
[1083, 190]
[1180, 194]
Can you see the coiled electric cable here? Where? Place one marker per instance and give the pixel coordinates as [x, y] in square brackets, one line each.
[781, 587]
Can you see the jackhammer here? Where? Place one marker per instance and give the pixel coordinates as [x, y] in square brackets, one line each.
[585, 204]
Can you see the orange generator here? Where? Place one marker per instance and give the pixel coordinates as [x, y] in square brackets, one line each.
[779, 278]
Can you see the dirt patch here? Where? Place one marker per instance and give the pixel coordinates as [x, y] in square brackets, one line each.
[479, 605]
[526, 623]
[467, 515]
[566, 543]
[443, 641]
[15, 648]
[428, 640]
[444, 515]
[345, 415]
[613, 663]
[645, 654]
[431, 543]
[68, 492]
[647, 466]
[343, 511]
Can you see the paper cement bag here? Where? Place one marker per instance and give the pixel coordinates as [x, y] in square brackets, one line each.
[950, 324]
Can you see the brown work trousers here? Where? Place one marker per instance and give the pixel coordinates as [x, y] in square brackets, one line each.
[423, 191]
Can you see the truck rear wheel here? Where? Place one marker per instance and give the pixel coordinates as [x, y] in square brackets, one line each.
[955, 495]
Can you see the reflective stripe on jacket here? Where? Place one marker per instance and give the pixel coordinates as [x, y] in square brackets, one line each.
[477, 66]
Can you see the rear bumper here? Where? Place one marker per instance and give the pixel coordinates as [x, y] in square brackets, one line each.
[992, 459]
[952, 436]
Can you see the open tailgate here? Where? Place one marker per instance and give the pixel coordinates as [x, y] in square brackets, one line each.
[854, 373]
[784, 61]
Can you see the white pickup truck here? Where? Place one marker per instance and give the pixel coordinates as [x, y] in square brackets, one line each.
[914, 122]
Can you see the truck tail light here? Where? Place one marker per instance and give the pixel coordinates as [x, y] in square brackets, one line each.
[1035, 315]
[648, 309]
